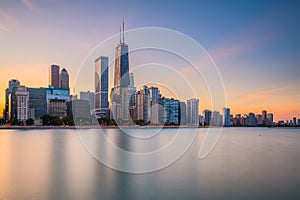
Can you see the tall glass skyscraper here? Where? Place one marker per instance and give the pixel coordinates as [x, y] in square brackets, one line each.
[122, 64]
[193, 112]
[101, 86]
[64, 79]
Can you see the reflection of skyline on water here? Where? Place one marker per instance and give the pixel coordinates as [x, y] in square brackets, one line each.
[246, 163]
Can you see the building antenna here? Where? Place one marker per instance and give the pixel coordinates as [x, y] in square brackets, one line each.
[123, 31]
[120, 35]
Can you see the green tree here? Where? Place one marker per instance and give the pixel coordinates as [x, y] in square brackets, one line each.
[29, 122]
[15, 122]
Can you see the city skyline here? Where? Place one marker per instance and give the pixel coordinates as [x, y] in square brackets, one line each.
[256, 54]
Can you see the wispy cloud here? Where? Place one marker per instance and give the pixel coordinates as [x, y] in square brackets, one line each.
[29, 4]
[3, 28]
[289, 90]
[7, 21]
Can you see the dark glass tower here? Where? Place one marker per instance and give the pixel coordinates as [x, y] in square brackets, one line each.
[122, 63]
[101, 86]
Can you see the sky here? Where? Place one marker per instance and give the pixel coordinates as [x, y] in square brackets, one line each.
[255, 44]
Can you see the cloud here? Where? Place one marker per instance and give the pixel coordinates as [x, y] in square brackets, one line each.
[3, 28]
[29, 4]
[289, 90]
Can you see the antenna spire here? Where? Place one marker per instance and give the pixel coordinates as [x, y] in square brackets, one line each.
[120, 36]
[123, 31]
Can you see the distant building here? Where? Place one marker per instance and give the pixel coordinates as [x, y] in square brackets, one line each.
[264, 117]
[193, 112]
[182, 113]
[270, 121]
[251, 120]
[143, 109]
[56, 99]
[207, 116]
[54, 76]
[259, 120]
[90, 97]
[8, 98]
[154, 102]
[298, 122]
[226, 114]
[22, 102]
[64, 79]
[170, 112]
[101, 87]
[37, 102]
[79, 111]
[294, 121]
[217, 118]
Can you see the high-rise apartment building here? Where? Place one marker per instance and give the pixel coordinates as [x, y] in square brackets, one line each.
[226, 114]
[193, 112]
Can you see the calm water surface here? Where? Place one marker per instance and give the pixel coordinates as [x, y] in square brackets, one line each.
[246, 163]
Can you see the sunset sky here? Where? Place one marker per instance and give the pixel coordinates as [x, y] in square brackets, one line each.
[255, 44]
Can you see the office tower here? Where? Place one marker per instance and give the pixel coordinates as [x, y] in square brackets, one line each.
[143, 109]
[64, 79]
[8, 98]
[294, 121]
[270, 121]
[193, 112]
[21, 103]
[56, 99]
[54, 76]
[259, 120]
[217, 118]
[90, 97]
[37, 102]
[170, 111]
[101, 87]
[298, 122]
[79, 111]
[251, 120]
[122, 63]
[131, 80]
[264, 117]
[121, 93]
[182, 113]
[226, 114]
[207, 117]
[154, 97]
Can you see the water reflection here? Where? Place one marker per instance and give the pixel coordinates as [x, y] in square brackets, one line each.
[53, 164]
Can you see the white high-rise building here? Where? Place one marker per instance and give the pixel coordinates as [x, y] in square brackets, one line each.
[193, 112]
[22, 97]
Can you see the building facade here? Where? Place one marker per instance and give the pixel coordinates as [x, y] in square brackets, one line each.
[64, 79]
[193, 112]
[101, 87]
[54, 76]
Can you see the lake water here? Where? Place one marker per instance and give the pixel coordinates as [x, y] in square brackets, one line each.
[246, 163]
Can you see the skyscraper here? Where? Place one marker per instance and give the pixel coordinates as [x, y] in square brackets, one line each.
[226, 115]
[182, 113]
[54, 76]
[193, 112]
[121, 92]
[22, 102]
[264, 117]
[8, 98]
[207, 117]
[143, 111]
[101, 86]
[64, 79]
[122, 63]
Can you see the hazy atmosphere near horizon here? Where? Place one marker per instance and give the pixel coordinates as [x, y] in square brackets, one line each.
[255, 44]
